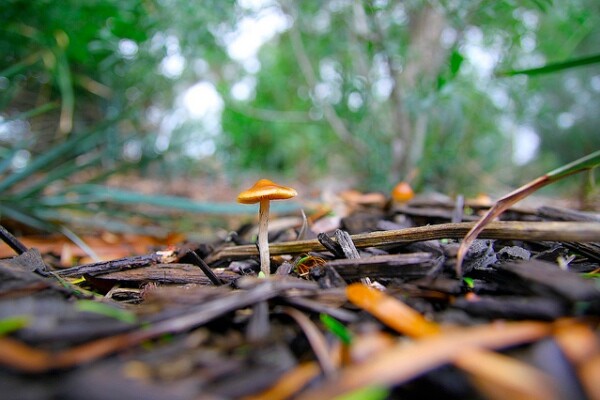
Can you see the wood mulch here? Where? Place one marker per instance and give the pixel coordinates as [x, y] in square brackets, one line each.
[372, 308]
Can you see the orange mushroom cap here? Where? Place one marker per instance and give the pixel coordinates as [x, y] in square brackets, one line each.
[265, 189]
[402, 192]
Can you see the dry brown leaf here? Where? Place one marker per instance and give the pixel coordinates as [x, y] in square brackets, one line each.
[17, 355]
[406, 361]
[589, 373]
[502, 377]
[582, 348]
[390, 311]
[369, 344]
[290, 383]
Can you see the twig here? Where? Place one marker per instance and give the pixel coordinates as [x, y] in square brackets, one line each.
[205, 268]
[552, 231]
[12, 241]
[104, 267]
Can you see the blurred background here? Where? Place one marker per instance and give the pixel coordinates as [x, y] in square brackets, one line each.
[198, 98]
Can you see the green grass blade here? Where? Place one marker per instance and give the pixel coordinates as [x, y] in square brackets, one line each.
[103, 194]
[588, 162]
[61, 172]
[25, 218]
[65, 85]
[12, 324]
[554, 67]
[21, 65]
[34, 112]
[337, 328]
[7, 157]
[366, 393]
[106, 310]
[75, 145]
[581, 164]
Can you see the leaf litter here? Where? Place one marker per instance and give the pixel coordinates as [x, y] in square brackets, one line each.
[373, 308]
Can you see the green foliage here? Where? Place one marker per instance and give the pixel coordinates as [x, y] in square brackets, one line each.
[362, 92]
[337, 328]
[366, 393]
[12, 324]
[107, 310]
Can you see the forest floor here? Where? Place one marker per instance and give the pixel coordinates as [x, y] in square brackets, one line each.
[364, 301]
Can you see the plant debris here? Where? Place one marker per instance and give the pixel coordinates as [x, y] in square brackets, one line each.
[379, 313]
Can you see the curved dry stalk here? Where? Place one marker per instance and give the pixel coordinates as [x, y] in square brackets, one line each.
[588, 162]
[315, 338]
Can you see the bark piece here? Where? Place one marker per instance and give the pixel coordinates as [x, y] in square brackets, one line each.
[515, 308]
[548, 277]
[345, 241]
[412, 265]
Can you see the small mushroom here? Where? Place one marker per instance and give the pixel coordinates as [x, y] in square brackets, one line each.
[402, 192]
[263, 192]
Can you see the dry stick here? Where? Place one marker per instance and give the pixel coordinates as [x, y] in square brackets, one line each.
[12, 241]
[551, 231]
[205, 268]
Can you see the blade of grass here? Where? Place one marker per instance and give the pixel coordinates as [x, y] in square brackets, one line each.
[554, 67]
[14, 323]
[34, 112]
[337, 328]
[63, 171]
[63, 78]
[67, 150]
[25, 218]
[590, 161]
[366, 393]
[43, 161]
[21, 65]
[91, 219]
[79, 243]
[7, 157]
[100, 194]
[107, 310]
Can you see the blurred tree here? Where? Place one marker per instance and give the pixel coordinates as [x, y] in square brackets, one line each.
[395, 86]
[367, 90]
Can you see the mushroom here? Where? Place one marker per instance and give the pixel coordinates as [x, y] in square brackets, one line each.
[263, 192]
[402, 192]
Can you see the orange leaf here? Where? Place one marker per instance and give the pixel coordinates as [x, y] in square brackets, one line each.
[404, 361]
[502, 377]
[581, 346]
[391, 311]
[290, 383]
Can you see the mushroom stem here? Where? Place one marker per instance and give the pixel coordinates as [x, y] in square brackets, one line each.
[263, 237]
